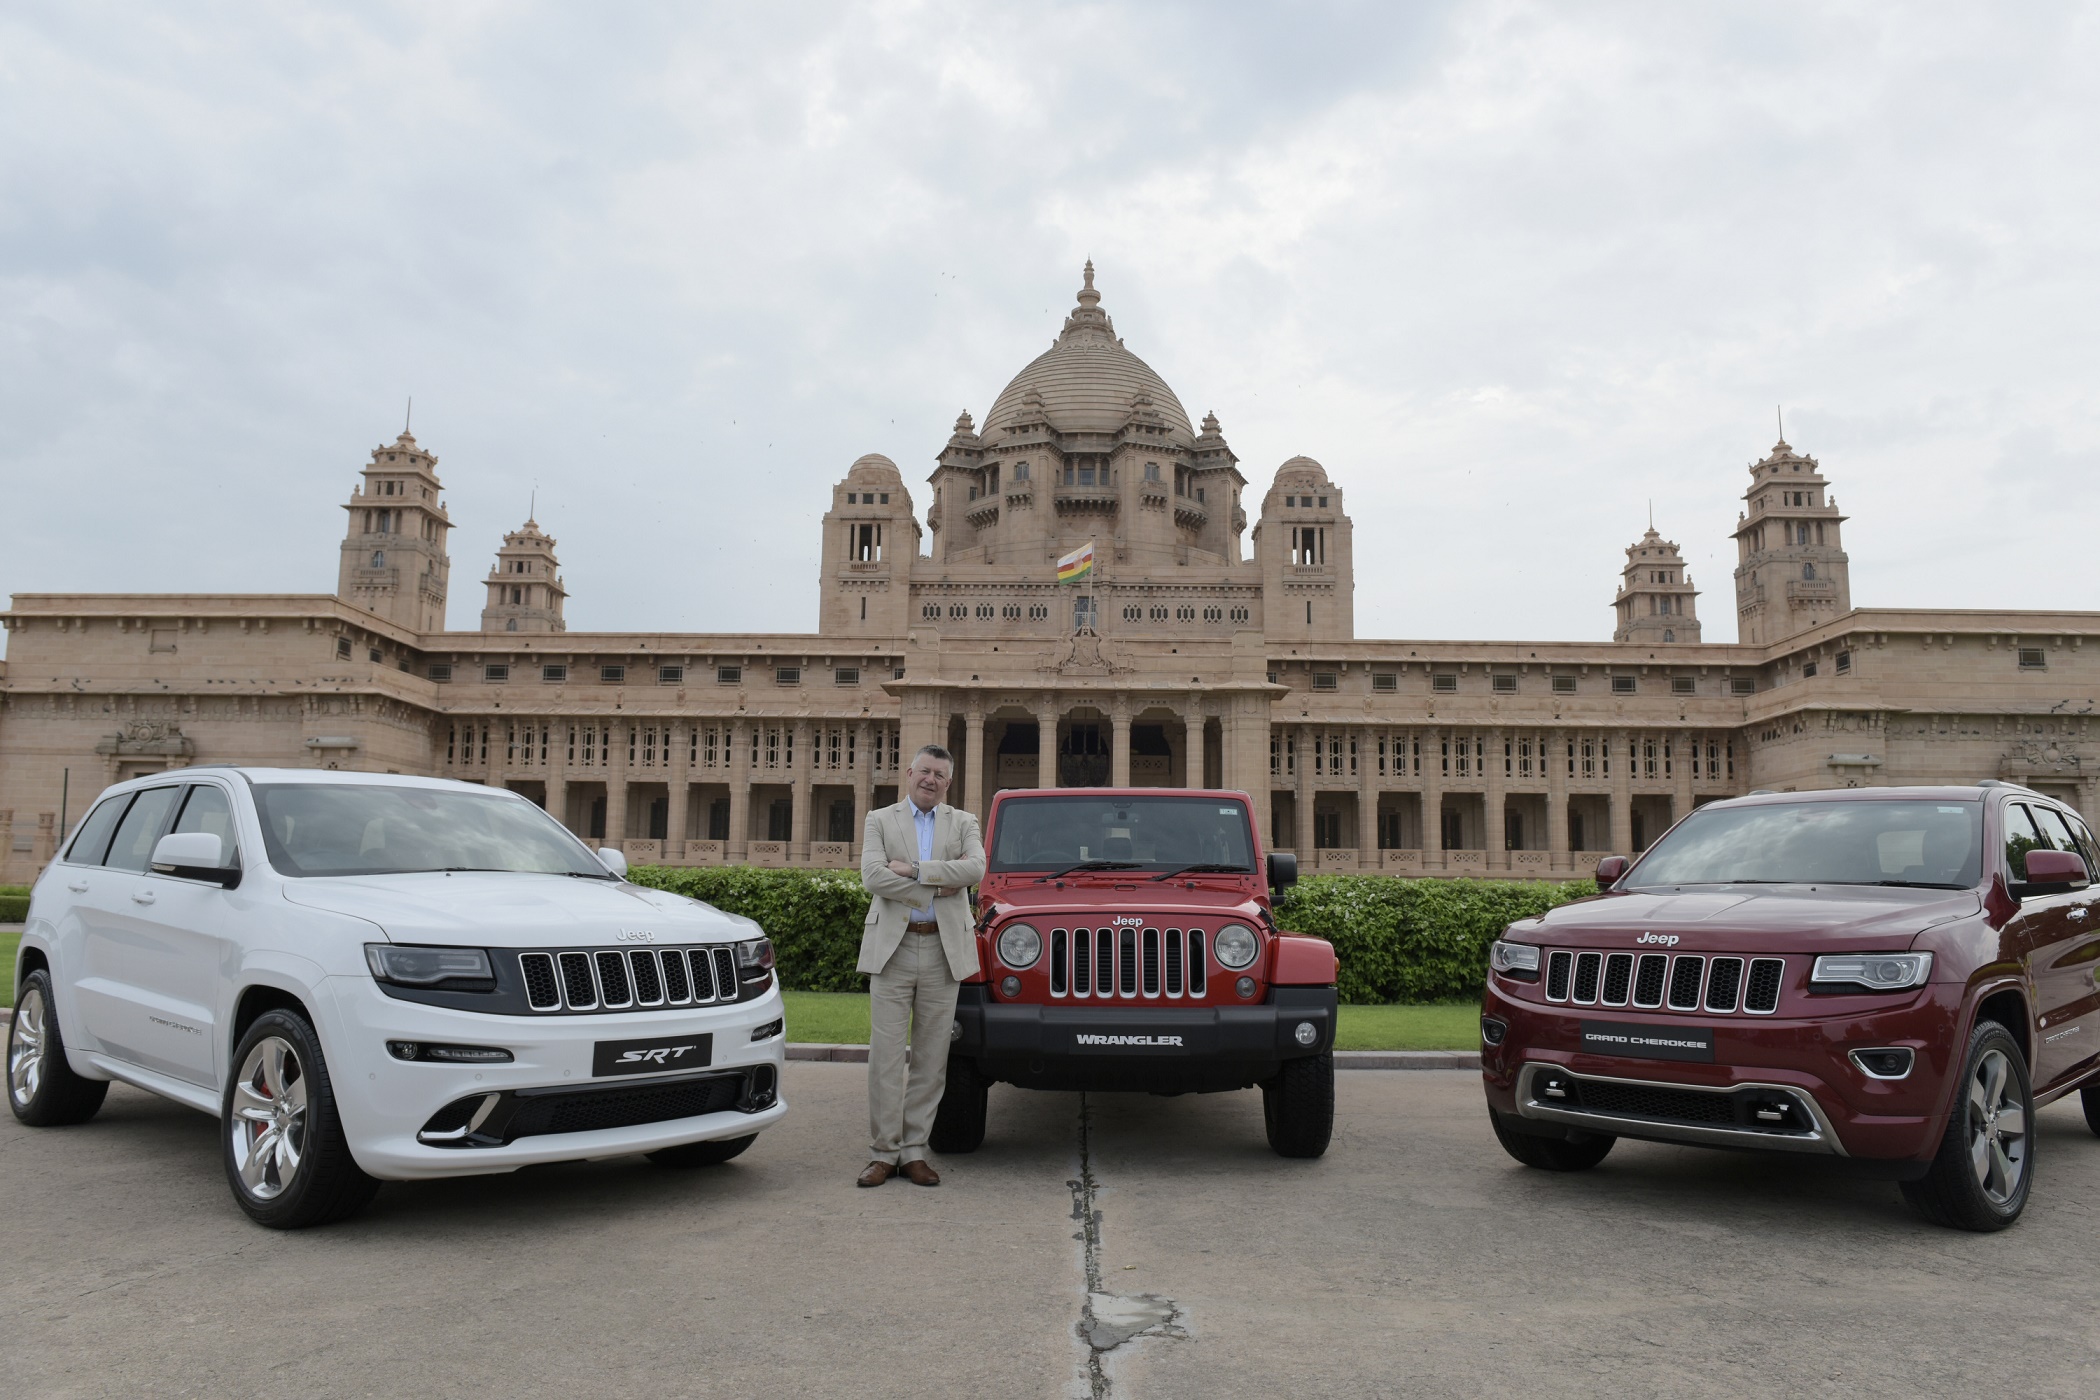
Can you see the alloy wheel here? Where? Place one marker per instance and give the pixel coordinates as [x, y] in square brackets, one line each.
[1997, 1128]
[25, 1055]
[268, 1125]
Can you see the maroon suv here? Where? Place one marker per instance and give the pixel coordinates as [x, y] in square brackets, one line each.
[1896, 974]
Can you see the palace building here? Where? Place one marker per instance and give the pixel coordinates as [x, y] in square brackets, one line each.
[1200, 651]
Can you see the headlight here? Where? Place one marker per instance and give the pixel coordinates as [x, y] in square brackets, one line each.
[430, 967]
[754, 956]
[1019, 946]
[1236, 945]
[1517, 960]
[1876, 972]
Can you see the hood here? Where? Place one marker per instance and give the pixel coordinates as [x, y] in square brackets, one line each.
[505, 910]
[1157, 903]
[1739, 918]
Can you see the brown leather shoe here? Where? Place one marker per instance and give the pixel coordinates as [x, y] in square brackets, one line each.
[920, 1174]
[875, 1175]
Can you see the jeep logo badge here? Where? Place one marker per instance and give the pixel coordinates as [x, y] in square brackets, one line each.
[635, 935]
[1668, 940]
[1126, 921]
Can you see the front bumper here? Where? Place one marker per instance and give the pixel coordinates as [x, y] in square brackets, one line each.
[1139, 1047]
[1775, 1083]
[404, 1120]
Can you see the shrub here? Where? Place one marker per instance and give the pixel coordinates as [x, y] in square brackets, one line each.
[1398, 940]
[14, 908]
[1414, 940]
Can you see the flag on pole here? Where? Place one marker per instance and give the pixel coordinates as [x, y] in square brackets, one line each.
[1076, 565]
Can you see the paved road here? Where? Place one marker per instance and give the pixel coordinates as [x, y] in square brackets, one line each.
[1413, 1260]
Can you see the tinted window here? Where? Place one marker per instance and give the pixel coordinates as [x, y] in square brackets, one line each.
[133, 847]
[2059, 833]
[2085, 844]
[345, 829]
[208, 811]
[1934, 844]
[91, 841]
[2021, 836]
[1049, 833]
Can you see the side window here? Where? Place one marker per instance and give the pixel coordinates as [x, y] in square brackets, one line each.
[91, 839]
[133, 847]
[207, 810]
[2059, 834]
[2021, 836]
[2086, 847]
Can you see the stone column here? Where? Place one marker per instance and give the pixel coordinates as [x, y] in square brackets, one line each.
[616, 783]
[740, 734]
[863, 781]
[1622, 760]
[1366, 799]
[1496, 837]
[677, 826]
[558, 770]
[1433, 798]
[974, 795]
[805, 778]
[1119, 754]
[1680, 774]
[1308, 853]
[1557, 801]
[1228, 766]
[1046, 745]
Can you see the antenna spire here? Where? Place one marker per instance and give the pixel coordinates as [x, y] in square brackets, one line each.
[1781, 414]
[409, 416]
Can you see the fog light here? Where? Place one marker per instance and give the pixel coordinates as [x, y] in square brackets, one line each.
[1305, 1034]
[1009, 987]
[768, 1030]
[448, 1054]
[1492, 1030]
[1891, 1063]
[402, 1049]
[1245, 987]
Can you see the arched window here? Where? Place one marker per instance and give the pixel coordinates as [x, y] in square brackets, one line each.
[378, 558]
[511, 626]
[1808, 571]
[1668, 635]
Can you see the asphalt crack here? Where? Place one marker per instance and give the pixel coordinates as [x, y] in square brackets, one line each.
[1108, 1321]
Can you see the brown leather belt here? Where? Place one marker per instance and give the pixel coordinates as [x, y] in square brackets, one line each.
[916, 927]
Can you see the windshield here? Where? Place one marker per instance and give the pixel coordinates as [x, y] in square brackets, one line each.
[345, 829]
[1936, 844]
[1136, 833]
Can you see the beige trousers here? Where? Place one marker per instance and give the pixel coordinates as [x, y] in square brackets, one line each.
[913, 997]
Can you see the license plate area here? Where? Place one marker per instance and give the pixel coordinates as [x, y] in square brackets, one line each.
[655, 1054]
[1627, 1040]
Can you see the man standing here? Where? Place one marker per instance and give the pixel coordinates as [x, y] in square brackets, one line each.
[918, 860]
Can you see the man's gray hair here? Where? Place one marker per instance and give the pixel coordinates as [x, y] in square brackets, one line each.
[934, 751]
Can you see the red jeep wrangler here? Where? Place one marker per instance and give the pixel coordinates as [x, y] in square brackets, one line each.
[1126, 944]
[1901, 974]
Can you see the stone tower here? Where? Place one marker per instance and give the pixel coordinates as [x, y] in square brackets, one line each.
[525, 587]
[1304, 546]
[1792, 572]
[394, 561]
[1656, 601]
[870, 540]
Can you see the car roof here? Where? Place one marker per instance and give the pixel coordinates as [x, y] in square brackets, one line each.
[262, 777]
[1878, 794]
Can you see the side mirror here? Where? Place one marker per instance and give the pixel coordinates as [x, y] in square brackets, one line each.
[194, 855]
[614, 860]
[2050, 872]
[1283, 871]
[1610, 869]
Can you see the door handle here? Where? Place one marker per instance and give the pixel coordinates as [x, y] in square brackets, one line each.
[142, 896]
[80, 888]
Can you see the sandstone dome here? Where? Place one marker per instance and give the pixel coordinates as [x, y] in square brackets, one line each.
[1087, 381]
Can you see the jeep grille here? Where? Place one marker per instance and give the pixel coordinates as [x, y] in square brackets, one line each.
[1691, 981]
[1107, 963]
[623, 979]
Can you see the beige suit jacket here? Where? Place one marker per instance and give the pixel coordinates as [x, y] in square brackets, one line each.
[957, 864]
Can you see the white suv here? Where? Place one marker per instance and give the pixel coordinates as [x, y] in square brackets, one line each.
[367, 977]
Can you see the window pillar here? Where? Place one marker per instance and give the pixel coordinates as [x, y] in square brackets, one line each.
[1366, 798]
[677, 825]
[972, 797]
[1496, 837]
[1432, 798]
[805, 778]
[1302, 805]
[1046, 746]
[1557, 800]
[1119, 752]
[863, 781]
[615, 786]
[739, 793]
[1622, 760]
[1681, 773]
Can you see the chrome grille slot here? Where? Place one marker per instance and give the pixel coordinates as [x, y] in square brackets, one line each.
[1648, 981]
[1151, 965]
[1198, 969]
[1586, 968]
[1176, 951]
[1105, 963]
[703, 964]
[542, 992]
[578, 987]
[1060, 975]
[678, 984]
[1128, 964]
[1558, 967]
[1618, 979]
[612, 980]
[1766, 977]
[1724, 981]
[648, 981]
[1082, 962]
[725, 975]
[1686, 973]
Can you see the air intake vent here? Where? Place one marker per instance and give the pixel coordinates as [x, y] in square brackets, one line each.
[1685, 976]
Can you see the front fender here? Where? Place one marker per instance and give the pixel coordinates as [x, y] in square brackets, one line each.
[1301, 961]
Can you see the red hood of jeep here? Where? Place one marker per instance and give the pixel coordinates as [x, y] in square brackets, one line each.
[1105, 899]
[1781, 918]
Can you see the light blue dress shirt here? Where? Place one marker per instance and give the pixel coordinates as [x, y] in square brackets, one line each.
[923, 820]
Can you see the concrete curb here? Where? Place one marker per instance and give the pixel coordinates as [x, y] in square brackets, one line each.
[1343, 1059]
[7, 1015]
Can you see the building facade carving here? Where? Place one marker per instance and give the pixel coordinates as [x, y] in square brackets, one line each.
[1205, 648]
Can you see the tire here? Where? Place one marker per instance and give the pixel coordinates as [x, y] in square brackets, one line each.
[1297, 1106]
[702, 1154]
[1552, 1154]
[41, 1087]
[280, 1135]
[2089, 1100]
[1990, 1121]
[958, 1124]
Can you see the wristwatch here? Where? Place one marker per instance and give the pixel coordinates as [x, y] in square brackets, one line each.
[915, 872]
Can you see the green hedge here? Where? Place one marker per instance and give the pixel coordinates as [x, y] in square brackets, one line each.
[14, 908]
[1398, 940]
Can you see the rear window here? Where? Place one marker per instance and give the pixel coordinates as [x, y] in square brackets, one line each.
[1150, 833]
[1929, 844]
[91, 841]
[133, 847]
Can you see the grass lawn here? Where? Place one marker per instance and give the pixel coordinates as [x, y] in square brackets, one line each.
[8, 943]
[841, 1018]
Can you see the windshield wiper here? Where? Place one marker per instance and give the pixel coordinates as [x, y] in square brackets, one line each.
[1901, 884]
[1092, 865]
[588, 875]
[1200, 868]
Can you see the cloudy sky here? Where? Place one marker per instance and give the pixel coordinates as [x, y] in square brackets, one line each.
[1510, 271]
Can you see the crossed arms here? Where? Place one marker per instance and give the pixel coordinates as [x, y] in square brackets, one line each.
[887, 875]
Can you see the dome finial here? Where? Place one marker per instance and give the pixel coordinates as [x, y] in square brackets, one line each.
[1088, 297]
